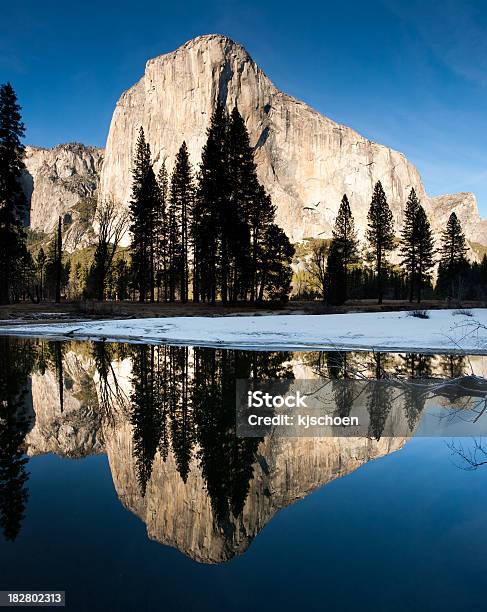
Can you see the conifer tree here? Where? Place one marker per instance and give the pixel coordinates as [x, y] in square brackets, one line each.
[380, 233]
[143, 220]
[181, 211]
[12, 199]
[409, 241]
[453, 253]
[274, 273]
[343, 253]
[41, 262]
[59, 260]
[233, 221]
[162, 233]
[336, 275]
[249, 209]
[425, 252]
[210, 202]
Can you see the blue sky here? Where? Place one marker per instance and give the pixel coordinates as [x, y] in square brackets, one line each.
[410, 74]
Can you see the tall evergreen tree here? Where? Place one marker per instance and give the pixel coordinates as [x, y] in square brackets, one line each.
[233, 220]
[453, 253]
[162, 233]
[144, 207]
[274, 258]
[425, 252]
[211, 200]
[41, 262]
[249, 210]
[181, 212]
[336, 275]
[343, 253]
[409, 241]
[12, 199]
[59, 259]
[380, 233]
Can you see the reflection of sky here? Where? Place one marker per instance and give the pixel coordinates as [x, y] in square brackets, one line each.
[408, 531]
[441, 421]
[411, 75]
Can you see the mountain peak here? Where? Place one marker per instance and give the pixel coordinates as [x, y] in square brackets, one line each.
[218, 45]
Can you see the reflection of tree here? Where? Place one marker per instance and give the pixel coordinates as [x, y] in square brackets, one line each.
[146, 411]
[418, 365]
[414, 400]
[181, 409]
[49, 356]
[472, 456]
[16, 360]
[227, 461]
[453, 366]
[111, 395]
[379, 405]
[337, 365]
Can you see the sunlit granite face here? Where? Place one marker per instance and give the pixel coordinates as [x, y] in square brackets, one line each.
[305, 160]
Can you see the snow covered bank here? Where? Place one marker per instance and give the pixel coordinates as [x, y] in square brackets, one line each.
[443, 331]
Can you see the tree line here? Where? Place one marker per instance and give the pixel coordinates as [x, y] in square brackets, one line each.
[207, 235]
[336, 267]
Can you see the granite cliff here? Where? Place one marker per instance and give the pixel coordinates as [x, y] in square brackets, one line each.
[63, 182]
[305, 160]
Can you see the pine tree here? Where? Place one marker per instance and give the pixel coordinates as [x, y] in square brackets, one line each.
[143, 220]
[212, 199]
[380, 233]
[409, 241]
[181, 212]
[274, 272]
[162, 233]
[453, 252]
[343, 253]
[249, 210]
[59, 260]
[12, 199]
[425, 251]
[41, 262]
[336, 275]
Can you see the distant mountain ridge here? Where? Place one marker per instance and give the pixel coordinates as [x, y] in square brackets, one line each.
[305, 160]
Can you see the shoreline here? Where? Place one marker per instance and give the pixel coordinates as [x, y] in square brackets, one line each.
[444, 331]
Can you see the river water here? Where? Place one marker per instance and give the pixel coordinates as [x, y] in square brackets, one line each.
[123, 483]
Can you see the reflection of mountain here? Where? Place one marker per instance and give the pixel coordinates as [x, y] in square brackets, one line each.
[206, 492]
[165, 416]
[181, 515]
[66, 406]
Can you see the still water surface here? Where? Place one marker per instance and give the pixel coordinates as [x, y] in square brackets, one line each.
[122, 482]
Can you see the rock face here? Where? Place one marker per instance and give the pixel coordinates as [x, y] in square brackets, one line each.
[465, 207]
[57, 180]
[305, 160]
